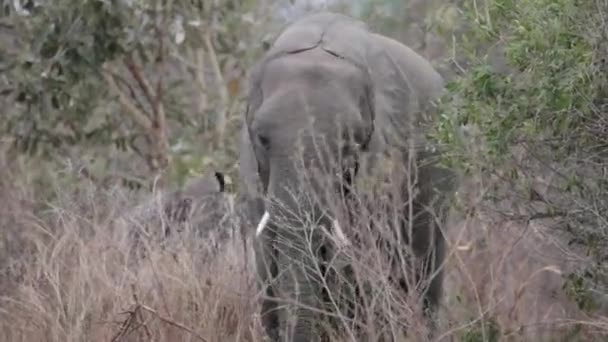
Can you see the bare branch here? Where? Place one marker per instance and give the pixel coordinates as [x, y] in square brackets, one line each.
[122, 80]
[201, 80]
[536, 216]
[139, 77]
[139, 116]
[159, 124]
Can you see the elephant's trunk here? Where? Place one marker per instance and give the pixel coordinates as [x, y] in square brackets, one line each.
[299, 236]
[296, 246]
[302, 289]
[298, 282]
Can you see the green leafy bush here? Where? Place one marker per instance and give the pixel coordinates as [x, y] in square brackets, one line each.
[157, 80]
[538, 112]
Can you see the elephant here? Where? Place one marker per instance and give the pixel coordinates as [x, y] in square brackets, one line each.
[201, 209]
[198, 194]
[329, 80]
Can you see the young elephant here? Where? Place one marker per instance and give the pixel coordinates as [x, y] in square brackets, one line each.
[202, 206]
[327, 80]
[202, 194]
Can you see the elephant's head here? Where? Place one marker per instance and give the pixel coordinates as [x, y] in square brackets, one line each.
[310, 118]
[181, 204]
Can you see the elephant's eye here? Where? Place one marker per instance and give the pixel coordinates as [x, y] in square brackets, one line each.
[264, 141]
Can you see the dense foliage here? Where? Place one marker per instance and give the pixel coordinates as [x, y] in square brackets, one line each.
[117, 77]
[538, 111]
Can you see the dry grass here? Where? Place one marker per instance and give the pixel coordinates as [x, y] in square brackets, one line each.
[505, 277]
[69, 275]
[73, 278]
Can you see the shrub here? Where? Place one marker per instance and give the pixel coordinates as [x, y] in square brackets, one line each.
[537, 115]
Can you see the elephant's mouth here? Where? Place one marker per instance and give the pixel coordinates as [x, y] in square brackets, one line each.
[344, 187]
[337, 233]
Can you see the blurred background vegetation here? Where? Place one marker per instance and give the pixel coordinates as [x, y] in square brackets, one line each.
[132, 92]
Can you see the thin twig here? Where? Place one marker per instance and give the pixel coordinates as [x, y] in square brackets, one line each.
[536, 216]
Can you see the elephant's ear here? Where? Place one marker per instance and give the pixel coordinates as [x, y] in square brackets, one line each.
[249, 163]
[255, 95]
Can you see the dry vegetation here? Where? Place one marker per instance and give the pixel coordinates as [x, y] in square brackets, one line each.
[69, 275]
[505, 279]
[72, 277]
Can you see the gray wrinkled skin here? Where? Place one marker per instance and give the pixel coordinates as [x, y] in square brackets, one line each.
[330, 73]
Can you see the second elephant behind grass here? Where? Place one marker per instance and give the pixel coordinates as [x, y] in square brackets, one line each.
[199, 216]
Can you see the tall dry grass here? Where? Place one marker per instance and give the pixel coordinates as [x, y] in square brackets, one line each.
[69, 274]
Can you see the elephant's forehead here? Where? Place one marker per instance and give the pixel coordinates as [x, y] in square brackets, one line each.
[299, 103]
[297, 107]
[308, 85]
[313, 68]
[336, 33]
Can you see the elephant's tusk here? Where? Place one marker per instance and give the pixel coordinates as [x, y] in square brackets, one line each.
[343, 241]
[262, 224]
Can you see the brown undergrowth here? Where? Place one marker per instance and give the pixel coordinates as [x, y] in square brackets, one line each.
[68, 275]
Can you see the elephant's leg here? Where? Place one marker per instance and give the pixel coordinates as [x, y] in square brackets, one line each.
[433, 274]
[430, 215]
[420, 267]
[428, 244]
[266, 267]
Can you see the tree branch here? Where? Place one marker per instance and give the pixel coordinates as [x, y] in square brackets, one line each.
[121, 80]
[159, 123]
[536, 216]
[139, 116]
[139, 77]
[199, 73]
[223, 92]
